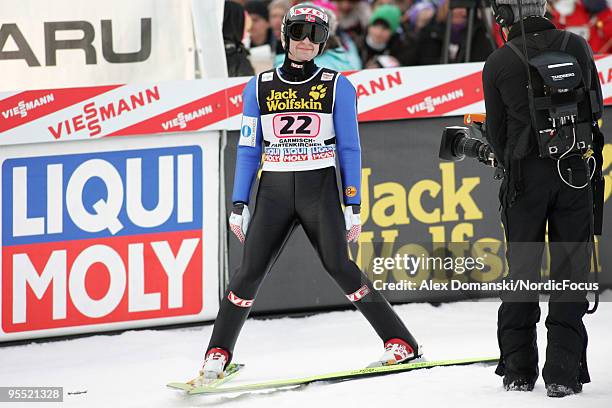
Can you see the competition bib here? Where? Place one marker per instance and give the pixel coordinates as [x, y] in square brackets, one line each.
[297, 122]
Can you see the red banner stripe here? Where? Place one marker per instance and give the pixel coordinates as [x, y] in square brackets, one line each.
[28, 106]
[433, 102]
[234, 100]
[191, 116]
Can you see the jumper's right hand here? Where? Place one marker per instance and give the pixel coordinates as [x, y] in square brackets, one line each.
[352, 219]
[239, 220]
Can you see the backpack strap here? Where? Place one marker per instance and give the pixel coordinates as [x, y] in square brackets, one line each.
[585, 88]
[566, 37]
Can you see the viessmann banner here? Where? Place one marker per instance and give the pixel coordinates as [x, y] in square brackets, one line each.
[64, 43]
[107, 235]
[182, 106]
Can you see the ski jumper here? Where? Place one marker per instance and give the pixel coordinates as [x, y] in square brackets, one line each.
[300, 125]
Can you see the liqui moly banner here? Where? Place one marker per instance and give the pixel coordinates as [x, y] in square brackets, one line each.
[182, 106]
[67, 43]
[108, 235]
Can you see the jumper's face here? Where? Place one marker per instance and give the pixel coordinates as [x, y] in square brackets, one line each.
[304, 50]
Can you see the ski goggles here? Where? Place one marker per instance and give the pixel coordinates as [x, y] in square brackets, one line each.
[316, 33]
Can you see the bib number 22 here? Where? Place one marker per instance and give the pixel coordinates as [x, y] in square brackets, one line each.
[296, 125]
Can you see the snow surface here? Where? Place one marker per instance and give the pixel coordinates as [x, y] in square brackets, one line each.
[131, 369]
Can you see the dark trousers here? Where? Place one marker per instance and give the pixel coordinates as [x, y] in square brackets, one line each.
[544, 200]
[311, 199]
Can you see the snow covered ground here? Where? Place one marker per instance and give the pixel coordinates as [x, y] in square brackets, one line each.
[131, 369]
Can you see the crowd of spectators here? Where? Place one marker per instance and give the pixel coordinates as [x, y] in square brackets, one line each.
[392, 33]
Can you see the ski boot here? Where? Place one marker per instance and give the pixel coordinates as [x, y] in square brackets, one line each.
[214, 364]
[397, 351]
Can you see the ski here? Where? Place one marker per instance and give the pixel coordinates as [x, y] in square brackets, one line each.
[230, 372]
[339, 376]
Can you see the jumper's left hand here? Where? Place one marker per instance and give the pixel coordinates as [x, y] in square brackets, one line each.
[352, 219]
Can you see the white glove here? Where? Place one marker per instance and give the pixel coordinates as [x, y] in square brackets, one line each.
[352, 219]
[239, 221]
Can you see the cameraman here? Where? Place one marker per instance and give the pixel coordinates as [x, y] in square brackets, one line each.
[532, 195]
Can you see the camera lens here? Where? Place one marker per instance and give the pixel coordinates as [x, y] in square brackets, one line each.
[457, 144]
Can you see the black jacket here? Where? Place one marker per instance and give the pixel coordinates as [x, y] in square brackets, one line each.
[237, 57]
[504, 80]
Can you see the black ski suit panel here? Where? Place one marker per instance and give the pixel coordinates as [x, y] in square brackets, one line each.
[311, 199]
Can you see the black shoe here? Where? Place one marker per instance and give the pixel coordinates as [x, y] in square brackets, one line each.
[560, 391]
[518, 383]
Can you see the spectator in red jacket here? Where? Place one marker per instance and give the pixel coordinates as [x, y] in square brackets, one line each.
[591, 19]
[601, 25]
[571, 15]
